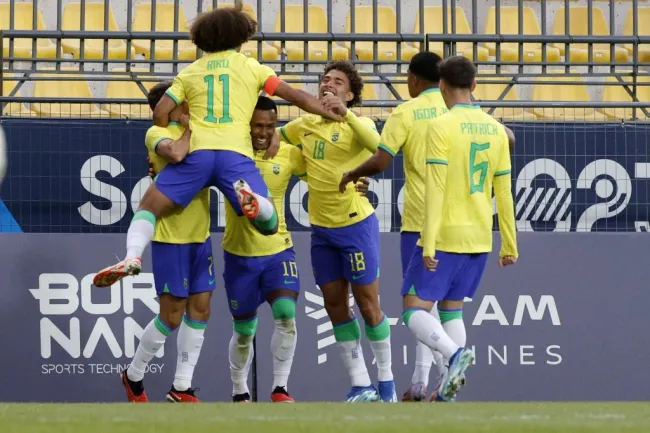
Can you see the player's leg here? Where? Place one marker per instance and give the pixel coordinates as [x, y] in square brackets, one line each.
[328, 273]
[177, 184]
[170, 271]
[191, 332]
[280, 286]
[243, 186]
[241, 277]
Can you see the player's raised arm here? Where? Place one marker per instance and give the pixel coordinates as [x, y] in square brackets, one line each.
[174, 151]
[364, 129]
[303, 100]
[505, 206]
[173, 97]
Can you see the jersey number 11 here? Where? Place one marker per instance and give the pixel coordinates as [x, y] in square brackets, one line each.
[210, 117]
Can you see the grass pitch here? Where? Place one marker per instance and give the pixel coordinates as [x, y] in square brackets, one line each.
[325, 418]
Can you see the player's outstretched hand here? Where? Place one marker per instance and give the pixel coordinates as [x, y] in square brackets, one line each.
[362, 186]
[185, 120]
[274, 147]
[334, 104]
[507, 261]
[347, 178]
[430, 263]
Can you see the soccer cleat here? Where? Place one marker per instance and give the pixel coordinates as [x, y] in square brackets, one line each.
[134, 390]
[458, 364]
[249, 204]
[174, 396]
[109, 276]
[386, 391]
[416, 392]
[241, 398]
[280, 395]
[362, 394]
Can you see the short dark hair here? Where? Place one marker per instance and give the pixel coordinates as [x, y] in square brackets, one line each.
[157, 92]
[356, 82]
[222, 29]
[424, 65]
[458, 72]
[265, 103]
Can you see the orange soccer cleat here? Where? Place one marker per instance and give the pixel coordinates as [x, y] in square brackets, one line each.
[280, 395]
[111, 275]
[134, 390]
[174, 396]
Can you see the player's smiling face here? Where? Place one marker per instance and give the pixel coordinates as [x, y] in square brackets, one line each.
[337, 83]
[263, 125]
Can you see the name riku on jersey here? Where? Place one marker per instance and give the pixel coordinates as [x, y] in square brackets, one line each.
[479, 128]
[428, 113]
[218, 64]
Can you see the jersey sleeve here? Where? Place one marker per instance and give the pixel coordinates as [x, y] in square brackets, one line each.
[505, 202]
[177, 90]
[154, 136]
[437, 145]
[365, 131]
[504, 166]
[298, 165]
[290, 133]
[266, 78]
[394, 134]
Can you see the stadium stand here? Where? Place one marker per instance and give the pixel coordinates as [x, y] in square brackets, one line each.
[164, 21]
[24, 20]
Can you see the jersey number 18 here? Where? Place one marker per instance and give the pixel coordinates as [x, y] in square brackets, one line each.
[210, 117]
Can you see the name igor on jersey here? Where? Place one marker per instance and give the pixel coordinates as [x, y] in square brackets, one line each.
[330, 149]
[181, 226]
[406, 129]
[240, 237]
[221, 90]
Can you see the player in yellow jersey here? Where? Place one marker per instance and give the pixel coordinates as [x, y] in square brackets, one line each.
[345, 230]
[183, 268]
[221, 90]
[467, 154]
[406, 129]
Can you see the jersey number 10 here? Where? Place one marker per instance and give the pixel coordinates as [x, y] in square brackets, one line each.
[210, 117]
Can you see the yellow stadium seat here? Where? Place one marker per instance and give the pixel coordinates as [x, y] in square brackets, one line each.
[62, 88]
[509, 25]
[294, 23]
[433, 21]
[643, 29]
[23, 20]
[619, 94]
[247, 8]
[289, 112]
[164, 23]
[402, 90]
[386, 23]
[369, 93]
[129, 90]
[16, 109]
[564, 93]
[491, 92]
[578, 25]
[93, 21]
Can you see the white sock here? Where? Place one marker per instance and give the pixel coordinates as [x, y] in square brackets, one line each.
[240, 356]
[429, 331]
[139, 234]
[441, 368]
[189, 344]
[423, 361]
[379, 338]
[266, 208]
[352, 356]
[153, 338]
[456, 330]
[283, 347]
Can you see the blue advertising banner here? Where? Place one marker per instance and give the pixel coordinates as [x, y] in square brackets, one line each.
[87, 176]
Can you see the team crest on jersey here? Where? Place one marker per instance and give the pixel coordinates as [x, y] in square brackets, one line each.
[335, 137]
[234, 304]
[185, 283]
[276, 168]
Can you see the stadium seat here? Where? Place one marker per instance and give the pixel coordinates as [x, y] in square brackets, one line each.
[369, 93]
[402, 90]
[93, 21]
[386, 23]
[290, 112]
[164, 23]
[619, 94]
[64, 89]
[23, 20]
[509, 25]
[564, 93]
[491, 92]
[16, 109]
[433, 21]
[129, 90]
[643, 23]
[294, 22]
[578, 25]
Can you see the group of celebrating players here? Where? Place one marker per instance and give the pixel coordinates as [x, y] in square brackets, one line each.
[211, 128]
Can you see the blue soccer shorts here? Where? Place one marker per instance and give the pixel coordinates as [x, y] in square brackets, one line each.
[249, 280]
[204, 168]
[457, 276]
[183, 269]
[350, 252]
[408, 242]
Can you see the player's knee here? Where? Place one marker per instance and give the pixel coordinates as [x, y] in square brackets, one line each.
[172, 319]
[284, 308]
[338, 310]
[370, 311]
[246, 328]
[198, 310]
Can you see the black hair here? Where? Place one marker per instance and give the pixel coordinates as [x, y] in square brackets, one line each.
[458, 72]
[222, 29]
[265, 103]
[356, 82]
[157, 92]
[425, 65]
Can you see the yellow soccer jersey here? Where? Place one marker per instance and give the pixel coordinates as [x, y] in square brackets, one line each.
[222, 90]
[406, 129]
[240, 237]
[330, 149]
[182, 226]
[467, 153]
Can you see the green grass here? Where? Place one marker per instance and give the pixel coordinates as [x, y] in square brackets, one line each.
[325, 418]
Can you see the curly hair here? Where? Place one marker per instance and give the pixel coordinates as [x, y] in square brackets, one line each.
[356, 82]
[222, 29]
[157, 92]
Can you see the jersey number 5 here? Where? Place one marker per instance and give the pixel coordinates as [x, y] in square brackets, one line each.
[481, 167]
[209, 80]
